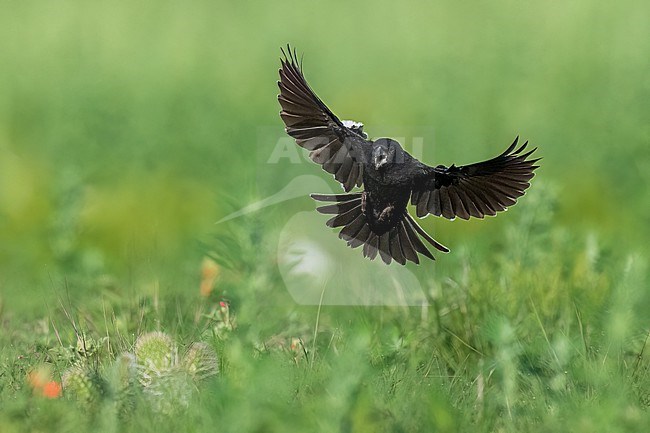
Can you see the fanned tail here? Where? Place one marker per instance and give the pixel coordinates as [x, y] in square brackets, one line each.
[401, 243]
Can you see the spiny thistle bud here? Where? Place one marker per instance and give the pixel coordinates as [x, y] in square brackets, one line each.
[82, 384]
[200, 361]
[155, 353]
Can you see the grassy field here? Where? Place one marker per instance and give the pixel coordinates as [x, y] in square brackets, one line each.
[128, 129]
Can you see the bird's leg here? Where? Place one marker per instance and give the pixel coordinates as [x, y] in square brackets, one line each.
[386, 213]
[363, 202]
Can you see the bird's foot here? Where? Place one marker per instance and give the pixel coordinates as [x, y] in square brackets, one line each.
[386, 213]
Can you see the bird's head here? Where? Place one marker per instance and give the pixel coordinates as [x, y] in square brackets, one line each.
[385, 152]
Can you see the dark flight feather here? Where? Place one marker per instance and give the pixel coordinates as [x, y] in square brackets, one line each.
[475, 190]
[315, 127]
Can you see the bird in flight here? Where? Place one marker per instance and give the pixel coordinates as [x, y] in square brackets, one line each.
[377, 217]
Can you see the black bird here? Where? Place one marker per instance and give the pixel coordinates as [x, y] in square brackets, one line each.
[377, 217]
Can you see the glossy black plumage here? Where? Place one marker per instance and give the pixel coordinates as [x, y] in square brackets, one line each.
[377, 218]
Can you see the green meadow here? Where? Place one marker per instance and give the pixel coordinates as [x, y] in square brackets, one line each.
[129, 130]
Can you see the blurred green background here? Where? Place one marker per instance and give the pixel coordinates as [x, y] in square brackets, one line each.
[127, 129]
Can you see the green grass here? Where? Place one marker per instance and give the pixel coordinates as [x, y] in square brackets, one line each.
[127, 130]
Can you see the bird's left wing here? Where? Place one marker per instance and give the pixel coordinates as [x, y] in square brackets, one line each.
[474, 190]
[337, 148]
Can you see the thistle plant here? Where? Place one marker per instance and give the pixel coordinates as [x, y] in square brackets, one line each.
[154, 369]
[83, 384]
[200, 361]
[169, 382]
[155, 354]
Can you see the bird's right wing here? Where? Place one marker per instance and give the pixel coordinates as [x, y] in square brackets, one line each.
[337, 148]
[474, 190]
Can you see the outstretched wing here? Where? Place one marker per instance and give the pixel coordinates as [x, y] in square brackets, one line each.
[335, 147]
[475, 190]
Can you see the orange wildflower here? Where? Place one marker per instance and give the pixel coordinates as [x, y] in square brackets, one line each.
[40, 380]
[209, 273]
[51, 389]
